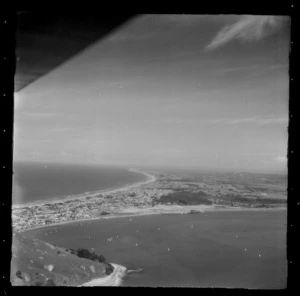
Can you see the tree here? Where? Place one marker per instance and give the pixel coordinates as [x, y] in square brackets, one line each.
[50, 282]
[19, 274]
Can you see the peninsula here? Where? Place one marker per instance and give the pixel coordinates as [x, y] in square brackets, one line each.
[162, 192]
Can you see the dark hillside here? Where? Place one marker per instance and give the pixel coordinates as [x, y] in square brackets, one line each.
[38, 263]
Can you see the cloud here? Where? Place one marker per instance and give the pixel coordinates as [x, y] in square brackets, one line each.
[237, 69]
[61, 129]
[116, 84]
[180, 19]
[224, 121]
[281, 159]
[36, 153]
[257, 154]
[247, 28]
[279, 67]
[253, 70]
[38, 114]
[253, 120]
[168, 151]
[42, 140]
[64, 153]
[161, 21]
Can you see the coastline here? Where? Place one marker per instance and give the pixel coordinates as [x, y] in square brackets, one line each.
[83, 196]
[114, 279]
[138, 211]
[161, 210]
[134, 206]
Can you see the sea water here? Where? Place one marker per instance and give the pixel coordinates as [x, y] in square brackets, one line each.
[43, 181]
[237, 249]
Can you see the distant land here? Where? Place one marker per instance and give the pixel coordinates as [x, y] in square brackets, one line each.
[160, 192]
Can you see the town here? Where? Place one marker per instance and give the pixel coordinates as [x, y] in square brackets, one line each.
[167, 188]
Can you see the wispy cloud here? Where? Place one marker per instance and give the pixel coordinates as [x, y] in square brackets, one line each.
[36, 153]
[168, 151]
[256, 154]
[61, 129]
[237, 69]
[279, 67]
[215, 121]
[180, 19]
[247, 28]
[42, 140]
[281, 159]
[64, 153]
[169, 20]
[38, 114]
[252, 120]
[253, 70]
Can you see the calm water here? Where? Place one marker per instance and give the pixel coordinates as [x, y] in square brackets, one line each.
[218, 249]
[33, 182]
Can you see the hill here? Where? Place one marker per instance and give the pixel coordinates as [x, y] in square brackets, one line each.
[37, 263]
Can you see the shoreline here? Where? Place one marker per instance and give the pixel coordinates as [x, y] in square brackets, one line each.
[132, 211]
[161, 210]
[83, 196]
[114, 279]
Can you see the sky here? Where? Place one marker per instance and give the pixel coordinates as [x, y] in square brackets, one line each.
[199, 91]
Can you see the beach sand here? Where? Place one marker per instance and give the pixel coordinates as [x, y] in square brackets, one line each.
[161, 210]
[114, 279]
[82, 197]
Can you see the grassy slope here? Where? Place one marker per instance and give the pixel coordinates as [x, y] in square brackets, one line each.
[35, 262]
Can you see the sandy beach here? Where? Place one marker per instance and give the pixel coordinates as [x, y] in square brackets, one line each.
[161, 210]
[135, 211]
[82, 197]
[114, 279]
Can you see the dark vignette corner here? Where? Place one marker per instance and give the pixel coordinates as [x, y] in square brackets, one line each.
[293, 190]
[8, 22]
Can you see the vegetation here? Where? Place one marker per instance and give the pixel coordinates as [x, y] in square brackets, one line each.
[19, 274]
[109, 269]
[50, 283]
[87, 254]
[193, 212]
[186, 198]
[256, 202]
[38, 283]
[179, 180]
[252, 201]
[272, 201]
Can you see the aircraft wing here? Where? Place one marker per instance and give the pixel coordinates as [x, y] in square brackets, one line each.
[45, 41]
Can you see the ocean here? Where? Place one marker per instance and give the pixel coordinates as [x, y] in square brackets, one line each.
[234, 249]
[33, 182]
